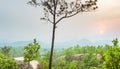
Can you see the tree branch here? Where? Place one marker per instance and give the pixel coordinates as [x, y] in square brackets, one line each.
[56, 3]
[51, 11]
[61, 19]
[66, 17]
[49, 20]
[72, 14]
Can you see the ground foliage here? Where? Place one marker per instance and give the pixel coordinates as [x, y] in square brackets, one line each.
[92, 57]
[7, 63]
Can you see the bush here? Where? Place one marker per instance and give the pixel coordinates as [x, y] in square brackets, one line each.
[31, 51]
[71, 65]
[7, 63]
[111, 57]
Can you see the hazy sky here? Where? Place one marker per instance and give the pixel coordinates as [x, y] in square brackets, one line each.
[19, 22]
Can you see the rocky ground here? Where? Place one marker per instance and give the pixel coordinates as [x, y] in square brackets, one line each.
[22, 65]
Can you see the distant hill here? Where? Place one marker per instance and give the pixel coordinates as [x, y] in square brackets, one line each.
[17, 43]
[22, 43]
[85, 42]
[82, 42]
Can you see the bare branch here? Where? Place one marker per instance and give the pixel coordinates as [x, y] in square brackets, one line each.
[61, 19]
[56, 3]
[48, 7]
[67, 16]
[73, 14]
[49, 20]
[51, 11]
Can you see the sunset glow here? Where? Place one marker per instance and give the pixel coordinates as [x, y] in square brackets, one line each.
[102, 28]
[18, 24]
[101, 32]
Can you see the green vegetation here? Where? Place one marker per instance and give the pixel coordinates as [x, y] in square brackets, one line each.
[85, 57]
[7, 63]
[111, 57]
[31, 51]
[16, 52]
[6, 50]
[76, 57]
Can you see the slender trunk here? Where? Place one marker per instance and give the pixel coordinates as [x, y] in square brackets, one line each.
[53, 39]
[28, 65]
[53, 36]
[52, 47]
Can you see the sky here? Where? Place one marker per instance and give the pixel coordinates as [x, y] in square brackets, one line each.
[21, 22]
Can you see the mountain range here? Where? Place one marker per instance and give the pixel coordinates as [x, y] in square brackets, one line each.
[82, 42]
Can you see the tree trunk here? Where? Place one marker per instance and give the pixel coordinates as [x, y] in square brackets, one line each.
[28, 65]
[52, 47]
[53, 39]
[53, 36]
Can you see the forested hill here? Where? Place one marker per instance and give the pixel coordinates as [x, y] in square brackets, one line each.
[82, 42]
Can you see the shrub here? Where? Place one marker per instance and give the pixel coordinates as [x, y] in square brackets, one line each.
[7, 63]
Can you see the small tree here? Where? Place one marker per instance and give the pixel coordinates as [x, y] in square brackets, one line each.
[57, 10]
[115, 42]
[111, 58]
[6, 50]
[31, 51]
